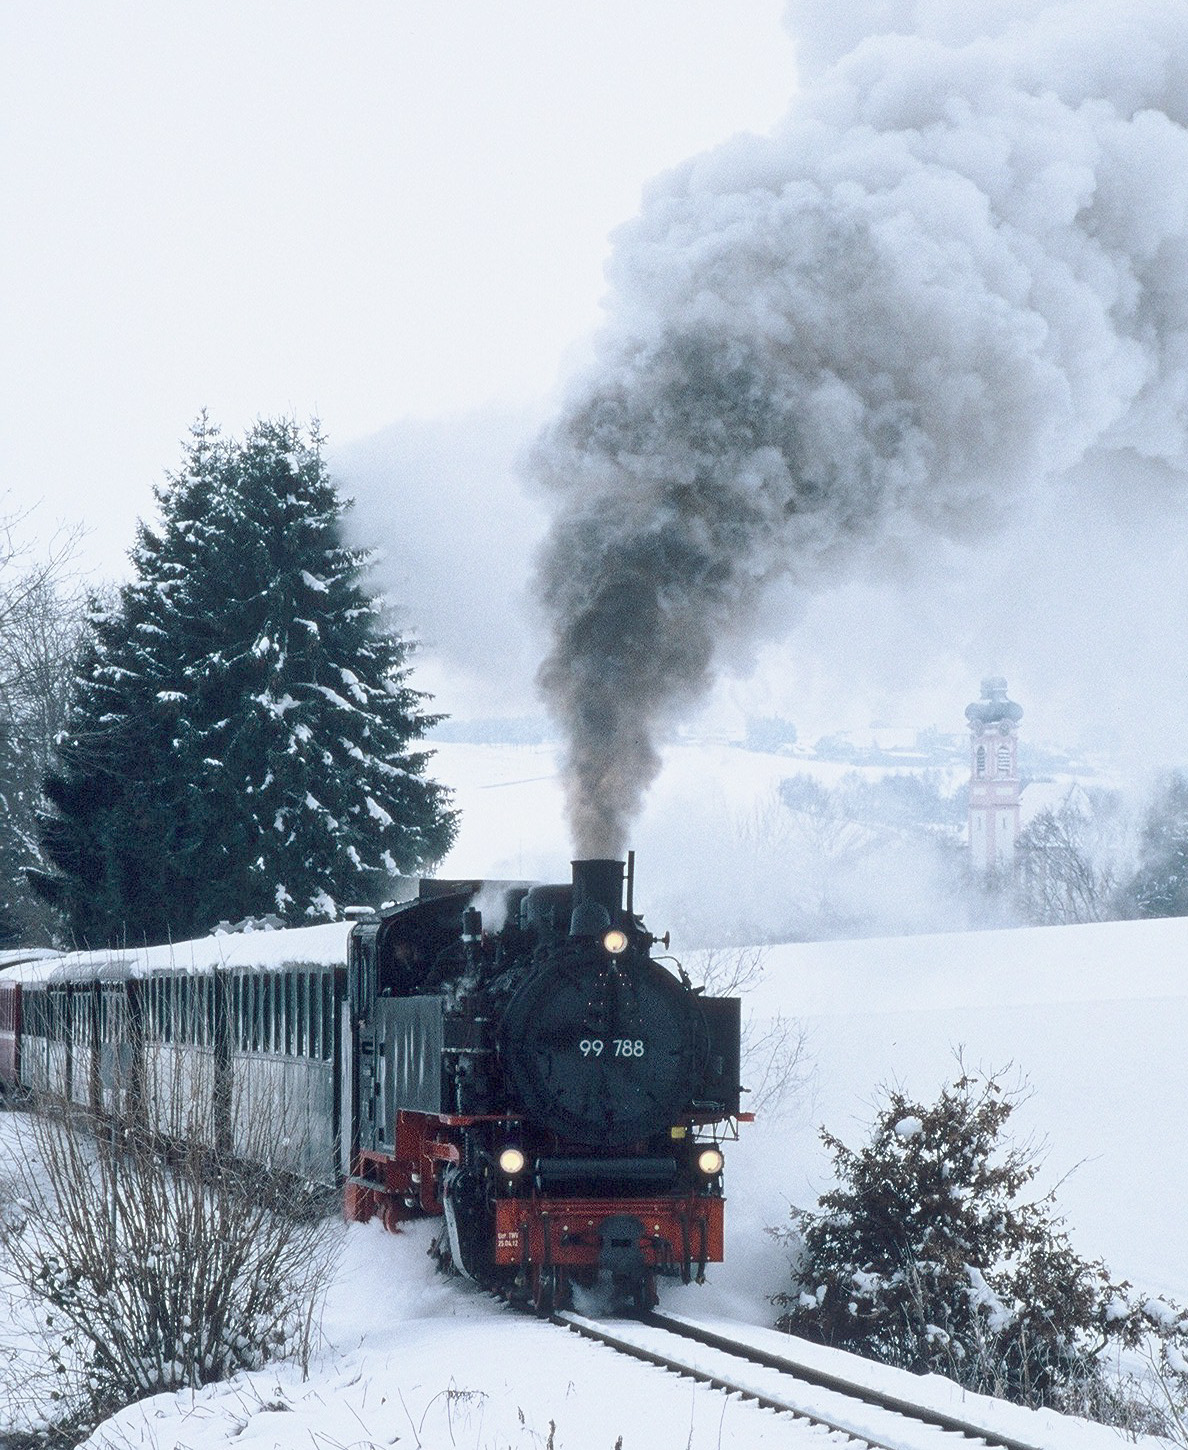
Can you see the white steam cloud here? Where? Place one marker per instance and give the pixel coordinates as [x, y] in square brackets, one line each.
[956, 273]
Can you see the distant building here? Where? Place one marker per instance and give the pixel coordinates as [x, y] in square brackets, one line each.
[994, 776]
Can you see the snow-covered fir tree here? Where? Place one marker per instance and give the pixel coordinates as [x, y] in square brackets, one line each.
[240, 735]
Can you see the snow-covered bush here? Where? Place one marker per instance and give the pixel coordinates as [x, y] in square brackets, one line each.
[928, 1255]
[157, 1264]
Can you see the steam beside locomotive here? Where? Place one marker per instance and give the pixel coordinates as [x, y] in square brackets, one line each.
[516, 1058]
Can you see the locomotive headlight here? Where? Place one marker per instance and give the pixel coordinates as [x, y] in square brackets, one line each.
[512, 1161]
[710, 1161]
[615, 941]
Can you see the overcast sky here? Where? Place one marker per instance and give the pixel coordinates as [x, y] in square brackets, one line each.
[367, 211]
[396, 216]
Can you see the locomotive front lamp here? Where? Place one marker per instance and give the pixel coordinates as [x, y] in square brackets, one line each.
[512, 1161]
[615, 941]
[710, 1161]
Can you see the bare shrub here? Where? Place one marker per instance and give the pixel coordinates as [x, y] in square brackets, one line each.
[158, 1261]
[776, 1065]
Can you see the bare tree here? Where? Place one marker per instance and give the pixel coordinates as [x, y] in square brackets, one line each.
[1071, 860]
[776, 1065]
[41, 617]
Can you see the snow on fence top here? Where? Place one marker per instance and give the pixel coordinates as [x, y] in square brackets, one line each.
[306, 946]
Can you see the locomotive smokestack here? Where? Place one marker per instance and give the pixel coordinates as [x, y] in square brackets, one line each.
[597, 896]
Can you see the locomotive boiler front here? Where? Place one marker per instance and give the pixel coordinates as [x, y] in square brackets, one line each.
[602, 1045]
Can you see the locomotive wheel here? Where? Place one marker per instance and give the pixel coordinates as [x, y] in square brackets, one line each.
[550, 1290]
[637, 1295]
[644, 1295]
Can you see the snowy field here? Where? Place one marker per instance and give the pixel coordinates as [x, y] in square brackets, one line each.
[415, 1360]
[1093, 1017]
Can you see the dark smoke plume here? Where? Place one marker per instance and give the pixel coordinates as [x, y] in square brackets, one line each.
[959, 269]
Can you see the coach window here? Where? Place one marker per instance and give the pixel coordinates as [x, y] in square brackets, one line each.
[289, 987]
[270, 1012]
[315, 1015]
[285, 993]
[302, 1045]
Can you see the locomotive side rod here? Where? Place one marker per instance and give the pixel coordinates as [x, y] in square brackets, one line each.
[937, 1428]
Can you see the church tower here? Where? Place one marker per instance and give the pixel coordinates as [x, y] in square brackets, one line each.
[994, 777]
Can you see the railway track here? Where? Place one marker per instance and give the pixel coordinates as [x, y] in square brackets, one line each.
[782, 1383]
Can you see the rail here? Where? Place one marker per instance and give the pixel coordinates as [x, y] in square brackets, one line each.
[784, 1384]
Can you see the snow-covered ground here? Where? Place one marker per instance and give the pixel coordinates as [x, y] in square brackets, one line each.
[1094, 1018]
[415, 1360]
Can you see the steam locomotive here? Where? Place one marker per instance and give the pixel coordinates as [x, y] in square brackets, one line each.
[512, 1057]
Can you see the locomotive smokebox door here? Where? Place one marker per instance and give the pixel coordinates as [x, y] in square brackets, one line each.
[601, 1044]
